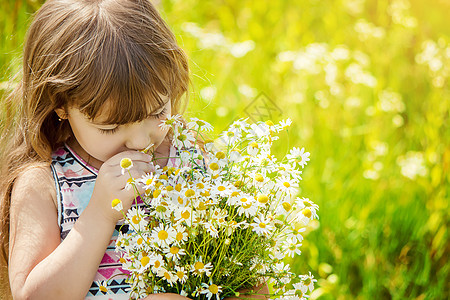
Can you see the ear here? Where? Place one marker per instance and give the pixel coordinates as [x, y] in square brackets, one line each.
[61, 112]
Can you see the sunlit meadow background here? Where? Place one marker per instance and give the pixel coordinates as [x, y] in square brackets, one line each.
[366, 84]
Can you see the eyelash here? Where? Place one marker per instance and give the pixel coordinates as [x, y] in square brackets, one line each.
[159, 115]
[111, 131]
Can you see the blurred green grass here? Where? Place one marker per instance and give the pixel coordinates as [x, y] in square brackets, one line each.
[366, 84]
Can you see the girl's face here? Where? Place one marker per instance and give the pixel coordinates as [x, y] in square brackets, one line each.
[103, 141]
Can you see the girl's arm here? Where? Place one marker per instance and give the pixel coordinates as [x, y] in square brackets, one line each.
[40, 265]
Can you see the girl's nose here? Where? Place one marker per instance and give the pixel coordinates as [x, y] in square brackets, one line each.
[139, 137]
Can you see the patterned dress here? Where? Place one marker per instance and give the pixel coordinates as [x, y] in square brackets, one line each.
[74, 180]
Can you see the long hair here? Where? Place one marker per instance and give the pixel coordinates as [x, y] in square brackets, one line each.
[86, 53]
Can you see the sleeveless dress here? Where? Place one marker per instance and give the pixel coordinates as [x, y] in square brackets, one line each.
[74, 181]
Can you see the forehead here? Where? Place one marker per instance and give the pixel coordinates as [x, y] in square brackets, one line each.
[109, 109]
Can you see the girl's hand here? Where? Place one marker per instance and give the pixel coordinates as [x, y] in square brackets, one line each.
[261, 290]
[111, 183]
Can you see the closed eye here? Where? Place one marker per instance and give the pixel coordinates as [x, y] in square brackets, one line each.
[108, 131]
[159, 115]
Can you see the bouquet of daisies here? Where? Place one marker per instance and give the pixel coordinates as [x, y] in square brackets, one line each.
[207, 230]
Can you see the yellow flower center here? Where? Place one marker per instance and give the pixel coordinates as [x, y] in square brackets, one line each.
[149, 181]
[221, 188]
[262, 225]
[167, 275]
[178, 187]
[254, 145]
[126, 163]
[307, 212]
[174, 249]
[157, 264]
[199, 265]
[263, 199]
[214, 166]
[247, 206]
[286, 184]
[269, 122]
[189, 193]
[145, 260]
[243, 200]
[214, 289]
[179, 236]
[259, 177]
[103, 289]
[156, 193]
[287, 206]
[162, 235]
[200, 185]
[201, 205]
[115, 202]
[220, 155]
[140, 241]
[180, 274]
[136, 219]
[186, 215]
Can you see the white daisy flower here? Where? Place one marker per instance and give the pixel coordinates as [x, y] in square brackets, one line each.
[170, 277]
[185, 214]
[287, 185]
[197, 124]
[292, 247]
[299, 156]
[261, 225]
[181, 235]
[182, 274]
[126, 164]
[294, 232]
[285, 123]
[170, 121]
[211, 229]
[156, 262]
[247, 207]
[211, 290]
[308, 280]
[163, 235]
[136, 218]
[199, 268]
[102, 286]
[174, 252]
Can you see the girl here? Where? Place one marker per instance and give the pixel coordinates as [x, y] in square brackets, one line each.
[98, 77]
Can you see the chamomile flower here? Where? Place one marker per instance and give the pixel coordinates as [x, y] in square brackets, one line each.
[174, 252]
[102, 286]
[211, 290]
[181, 235]
[284, 124]
[199, 268]
[185, 214]
[156, 262]
[171, 121]
[117, 204]
[299, 156]
[261, 225]
[170, 277]
[247, 207]
[308, 280]
[294, 232]
[287, 185]
[163, 235]
[197, 124]
[292, 247]
[136, 218]
[126, 164]
[181, 273]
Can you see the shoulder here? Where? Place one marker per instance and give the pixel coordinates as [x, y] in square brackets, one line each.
[34, 181]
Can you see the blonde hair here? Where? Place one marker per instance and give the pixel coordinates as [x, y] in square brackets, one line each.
[86, 53]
